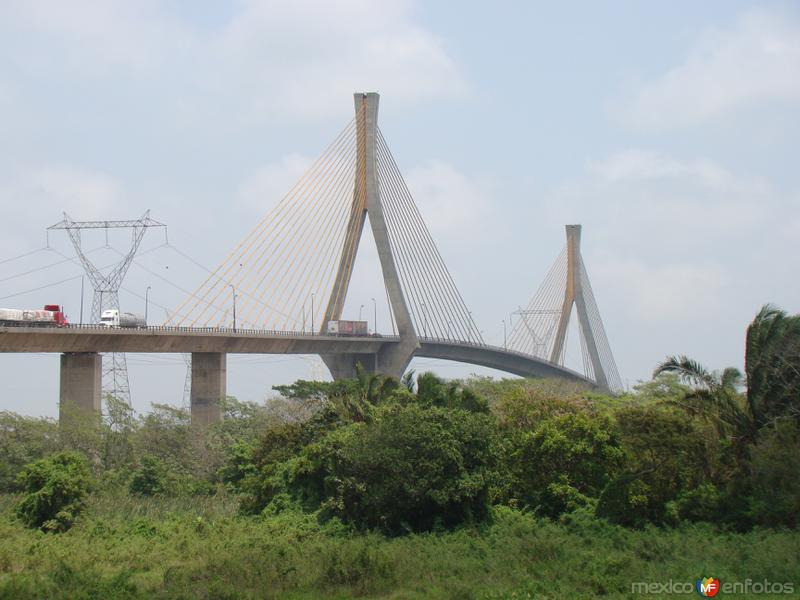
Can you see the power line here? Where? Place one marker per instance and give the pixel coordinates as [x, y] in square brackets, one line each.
[42, 287]
[13, 258]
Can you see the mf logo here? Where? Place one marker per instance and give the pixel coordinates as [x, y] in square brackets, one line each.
[707, 587]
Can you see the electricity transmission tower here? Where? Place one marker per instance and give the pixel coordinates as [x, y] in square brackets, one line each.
[106, 288]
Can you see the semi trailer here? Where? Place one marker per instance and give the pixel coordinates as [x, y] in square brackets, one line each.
[115, 318]
[51, 316]
[354, 328]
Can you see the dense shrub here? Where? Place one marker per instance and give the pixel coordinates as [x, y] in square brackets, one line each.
[561, 463]
[262, 472]
[151, 478]
[55, 488]
[22, 440]
[409, 468]
[666, 454]
[433, 391]
[773, 478]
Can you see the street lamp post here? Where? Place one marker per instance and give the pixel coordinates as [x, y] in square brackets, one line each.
[81, 299]
[360, 308]
[312, 313]
[375, 316]
[146, 303]
[233, 289]
[505, 336]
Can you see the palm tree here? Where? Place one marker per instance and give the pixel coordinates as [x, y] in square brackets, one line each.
[772, 371]
[713, 395]
[372, 389]
[407, 381]
[772, 365]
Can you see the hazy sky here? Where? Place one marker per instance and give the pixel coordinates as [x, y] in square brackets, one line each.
[669, 130]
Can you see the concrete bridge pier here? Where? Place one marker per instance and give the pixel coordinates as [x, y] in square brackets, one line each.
[343, 366]
[391, 361]
[81, 384]
[209, 385]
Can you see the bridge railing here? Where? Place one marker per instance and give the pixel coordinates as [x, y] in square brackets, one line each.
[239, 331]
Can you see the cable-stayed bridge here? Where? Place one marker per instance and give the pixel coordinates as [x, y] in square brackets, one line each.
[289, 279]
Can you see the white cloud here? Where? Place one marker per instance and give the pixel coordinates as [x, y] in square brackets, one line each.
[756, 60]
[270, 183]
[84, 194]
[303, 57]
[93, 37]
[646, 165]
[36, 197]
[654, 195]
[677, 251]
[454, 205]
[663, 291]
[281, 58]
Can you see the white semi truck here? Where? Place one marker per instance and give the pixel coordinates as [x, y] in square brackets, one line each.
[116, 318]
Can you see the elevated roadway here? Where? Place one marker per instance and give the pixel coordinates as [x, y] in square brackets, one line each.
[80, 347]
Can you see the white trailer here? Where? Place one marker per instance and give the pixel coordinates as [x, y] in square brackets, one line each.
[116, 318]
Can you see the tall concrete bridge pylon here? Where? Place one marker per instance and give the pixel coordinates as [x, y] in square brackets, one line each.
[542, 328]
[295, 267]
[367, 202]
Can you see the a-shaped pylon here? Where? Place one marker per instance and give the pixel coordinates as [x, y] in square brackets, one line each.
[542, 327]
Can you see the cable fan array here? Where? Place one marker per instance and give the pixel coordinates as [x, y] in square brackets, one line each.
[537, 329]
[437, 308]
[289, 259]
[609, 366]
[281, 276]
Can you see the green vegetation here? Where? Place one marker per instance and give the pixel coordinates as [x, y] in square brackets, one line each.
[418, 488]
[55, 489]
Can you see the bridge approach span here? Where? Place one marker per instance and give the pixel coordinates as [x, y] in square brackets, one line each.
[80, 346]
[182, 340]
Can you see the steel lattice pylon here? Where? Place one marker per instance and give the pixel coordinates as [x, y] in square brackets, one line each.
[106, 288]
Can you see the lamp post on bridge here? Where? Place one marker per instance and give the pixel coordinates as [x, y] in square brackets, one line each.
[82, 299]
[505, 336]
[360, 308]
[312, 313]
[146, 302]
[375, 316]
[234, 306]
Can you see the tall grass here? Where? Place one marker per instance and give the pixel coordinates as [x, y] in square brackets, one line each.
[125, 547]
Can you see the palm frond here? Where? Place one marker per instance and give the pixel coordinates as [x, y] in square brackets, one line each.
[688, 370]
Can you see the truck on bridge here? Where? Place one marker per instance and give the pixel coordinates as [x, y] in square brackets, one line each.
[354, 328]
[51, 316]
[115, 318]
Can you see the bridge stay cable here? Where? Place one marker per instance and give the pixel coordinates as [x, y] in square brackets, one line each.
[295, 265]
[445, 308]
[567, 287]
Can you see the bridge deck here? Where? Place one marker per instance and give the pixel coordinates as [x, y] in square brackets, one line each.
[181, 339]
[498, 358]
[88, 338]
